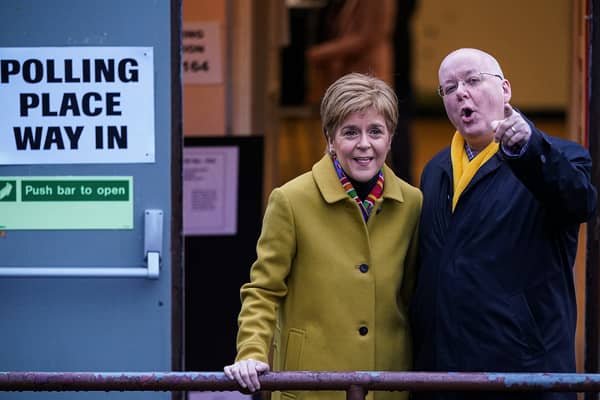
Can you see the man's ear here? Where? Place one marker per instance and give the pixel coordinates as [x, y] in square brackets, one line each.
[507, 91]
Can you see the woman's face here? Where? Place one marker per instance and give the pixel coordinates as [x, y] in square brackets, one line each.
[361, 143]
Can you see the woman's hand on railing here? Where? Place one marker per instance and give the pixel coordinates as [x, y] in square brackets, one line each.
[246, 372]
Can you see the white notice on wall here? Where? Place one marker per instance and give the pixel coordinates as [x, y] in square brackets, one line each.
[202, 53]
[210, 190]
[75, 105]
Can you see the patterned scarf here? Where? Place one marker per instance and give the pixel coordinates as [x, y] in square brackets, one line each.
[367, 204]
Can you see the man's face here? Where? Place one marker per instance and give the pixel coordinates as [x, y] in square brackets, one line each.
[474, 96]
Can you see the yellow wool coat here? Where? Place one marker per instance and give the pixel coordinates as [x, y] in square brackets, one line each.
[327, 290]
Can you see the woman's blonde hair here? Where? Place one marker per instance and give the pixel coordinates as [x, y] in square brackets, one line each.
[356, 92]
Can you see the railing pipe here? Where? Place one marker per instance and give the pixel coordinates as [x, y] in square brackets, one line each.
[299, 380]
[356, 392]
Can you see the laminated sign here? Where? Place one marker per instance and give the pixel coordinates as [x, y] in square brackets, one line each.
[68, 105]
[66, 202]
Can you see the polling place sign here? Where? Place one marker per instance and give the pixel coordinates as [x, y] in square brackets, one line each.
[66, 202]
[73, 105]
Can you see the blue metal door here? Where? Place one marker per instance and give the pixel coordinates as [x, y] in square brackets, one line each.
[89, 182]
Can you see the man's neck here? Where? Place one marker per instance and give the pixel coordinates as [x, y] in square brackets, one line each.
[477, 145]
[474, 148]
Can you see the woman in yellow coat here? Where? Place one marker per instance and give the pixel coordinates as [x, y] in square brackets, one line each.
[336, 256]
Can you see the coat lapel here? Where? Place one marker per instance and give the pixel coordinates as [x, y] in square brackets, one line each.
[392, 186]
[327, 181]
[490, 166]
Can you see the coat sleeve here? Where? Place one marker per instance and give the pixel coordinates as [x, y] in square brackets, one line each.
[557, 172]
[262, 296]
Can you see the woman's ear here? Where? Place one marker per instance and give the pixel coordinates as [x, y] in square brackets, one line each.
[329, 142]
[330, 150]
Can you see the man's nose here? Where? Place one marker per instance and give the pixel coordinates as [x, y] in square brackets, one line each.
[461, 88]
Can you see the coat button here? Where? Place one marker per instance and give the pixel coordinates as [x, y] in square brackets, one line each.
[363, 330]
[363, 268]
[543, 159]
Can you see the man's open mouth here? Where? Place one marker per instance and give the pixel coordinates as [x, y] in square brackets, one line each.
[466, 112]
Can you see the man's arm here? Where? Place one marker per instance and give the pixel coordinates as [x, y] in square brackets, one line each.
[557, 172]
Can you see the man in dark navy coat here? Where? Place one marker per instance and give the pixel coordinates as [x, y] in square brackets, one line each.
[498, 237]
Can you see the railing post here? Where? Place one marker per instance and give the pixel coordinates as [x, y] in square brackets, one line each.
[356, 392]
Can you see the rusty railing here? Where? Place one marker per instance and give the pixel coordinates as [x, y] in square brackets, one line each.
[356, 384]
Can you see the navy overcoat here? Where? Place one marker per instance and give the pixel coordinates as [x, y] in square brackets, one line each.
[495, 290]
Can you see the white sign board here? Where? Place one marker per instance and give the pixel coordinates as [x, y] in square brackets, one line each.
[210, 186]
[75, 105]
[202, 53]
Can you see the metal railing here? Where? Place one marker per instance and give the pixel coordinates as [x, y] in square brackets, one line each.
[355, 384]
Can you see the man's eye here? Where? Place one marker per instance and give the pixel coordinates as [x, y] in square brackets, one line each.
[450, 88]
[473, 80]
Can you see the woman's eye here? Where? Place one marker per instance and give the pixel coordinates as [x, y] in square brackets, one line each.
[350, 133]
[375, 131]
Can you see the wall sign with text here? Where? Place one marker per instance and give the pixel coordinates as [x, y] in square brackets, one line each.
[75, 105]
[210, 190]
[202, 53]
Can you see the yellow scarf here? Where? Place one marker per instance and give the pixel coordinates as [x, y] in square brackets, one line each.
[464, 170]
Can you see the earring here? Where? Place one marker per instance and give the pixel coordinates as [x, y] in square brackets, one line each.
[332, 153]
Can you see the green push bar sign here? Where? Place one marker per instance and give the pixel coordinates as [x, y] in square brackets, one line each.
[91, 202]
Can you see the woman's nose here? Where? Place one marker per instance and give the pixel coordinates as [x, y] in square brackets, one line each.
[364, 141]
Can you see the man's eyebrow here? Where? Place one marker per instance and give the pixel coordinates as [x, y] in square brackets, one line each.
[468, 72]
